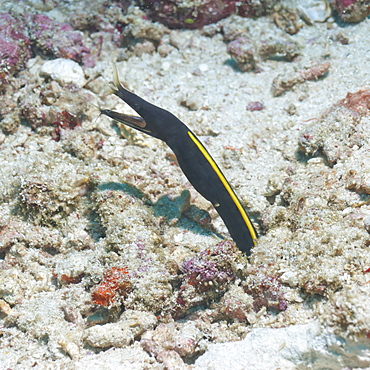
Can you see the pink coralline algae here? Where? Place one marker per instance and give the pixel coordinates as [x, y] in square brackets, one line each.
[15, 47]
[352, 10]
[267, 292]
[58, 39]
[18, 34]
[198, 13]
[206, 277]
[64, 121]
[44, 116]
[203, 274]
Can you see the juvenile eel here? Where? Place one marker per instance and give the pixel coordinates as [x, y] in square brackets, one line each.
[195, 161]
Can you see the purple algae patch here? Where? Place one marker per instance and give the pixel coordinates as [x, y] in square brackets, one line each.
[15, 47]
[58, 39]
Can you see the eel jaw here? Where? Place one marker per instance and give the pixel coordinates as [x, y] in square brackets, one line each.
[135, 122]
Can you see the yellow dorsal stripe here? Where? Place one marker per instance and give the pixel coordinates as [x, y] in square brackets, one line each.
[235, 199]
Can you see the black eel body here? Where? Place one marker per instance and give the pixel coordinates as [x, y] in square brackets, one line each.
[194, 160]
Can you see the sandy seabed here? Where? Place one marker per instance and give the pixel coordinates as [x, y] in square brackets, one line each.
[107, 256]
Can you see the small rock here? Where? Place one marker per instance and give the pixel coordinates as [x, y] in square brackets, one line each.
[242, 50]
[164, 50]
[255, 105]
[5, 308]
[64, 71]
[179, 40]
[367, 223]
[131, 325]
[290, 278]
[109, 335]
[352, 11]
[203, 67]
[10, 123]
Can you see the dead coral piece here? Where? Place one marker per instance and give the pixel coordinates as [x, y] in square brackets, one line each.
[131, 325]
[98, 15]
[233, 27]
[10, 122]
[352, 11]
[247, 53]
[266, 291]
[45, 112]
[281, 84]
[113, 202]
[243, 50]
[339, 129]
[349, 310]
[284, 50]
[45, 203]
[177, 340]
[314, 73]
[83, 145]
[138, 26]
[359, 102]
[287, 18]
[356, 173]
[64, 71]
[323, 256]
[15, 233]
[38, 314]
[236, 304]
